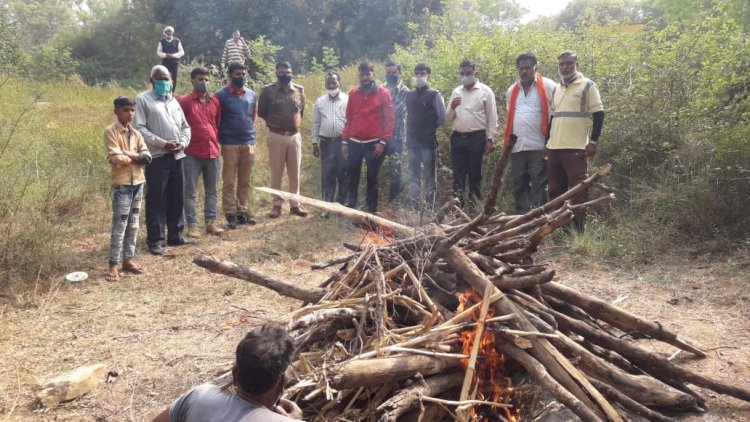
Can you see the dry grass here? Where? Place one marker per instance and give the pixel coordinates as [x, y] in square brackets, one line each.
[176, 326]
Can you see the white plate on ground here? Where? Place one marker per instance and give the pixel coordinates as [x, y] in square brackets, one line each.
[76, 276]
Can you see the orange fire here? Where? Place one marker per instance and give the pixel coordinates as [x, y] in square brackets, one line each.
[490, 364]
[375, 238]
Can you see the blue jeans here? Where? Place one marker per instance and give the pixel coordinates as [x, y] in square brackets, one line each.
[126, 207]
[193, 169]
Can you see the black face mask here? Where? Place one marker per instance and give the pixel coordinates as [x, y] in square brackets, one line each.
[367, 85]
[239, 81]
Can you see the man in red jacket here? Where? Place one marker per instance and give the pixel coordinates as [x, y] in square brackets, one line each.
[370, 120]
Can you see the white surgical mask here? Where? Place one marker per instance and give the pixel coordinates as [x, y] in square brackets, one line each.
[468, 80]
[333, 92]
[421, 81]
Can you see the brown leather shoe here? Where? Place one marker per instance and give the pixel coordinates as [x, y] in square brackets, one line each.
[275, 212]
[299, 211]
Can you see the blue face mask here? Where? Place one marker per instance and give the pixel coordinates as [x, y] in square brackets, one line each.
[392, 79]
[162, 88]
[285, 79]
[239, 82]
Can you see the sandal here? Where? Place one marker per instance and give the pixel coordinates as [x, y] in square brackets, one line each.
[132, 267]
[113, 277]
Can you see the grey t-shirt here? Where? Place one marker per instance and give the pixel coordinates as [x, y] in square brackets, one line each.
[207, 403]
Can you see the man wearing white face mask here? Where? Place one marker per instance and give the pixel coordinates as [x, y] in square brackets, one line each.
[329, 117]
[473, 113]
[425, 113]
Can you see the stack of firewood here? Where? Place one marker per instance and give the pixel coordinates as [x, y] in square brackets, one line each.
[454, 320]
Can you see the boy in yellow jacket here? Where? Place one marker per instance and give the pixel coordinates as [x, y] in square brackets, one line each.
[127, 155]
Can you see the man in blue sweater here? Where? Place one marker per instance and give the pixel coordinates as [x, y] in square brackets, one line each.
[237, 138]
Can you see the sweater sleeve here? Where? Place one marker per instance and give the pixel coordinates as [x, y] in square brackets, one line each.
[349, 117]
[388, 116]
[114, 153]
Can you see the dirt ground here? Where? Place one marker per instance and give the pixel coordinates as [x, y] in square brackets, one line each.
[176, 326]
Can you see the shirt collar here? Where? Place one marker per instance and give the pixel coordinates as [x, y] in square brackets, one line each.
[280, 87]
[196, 96]
[234, 90]
[122, 128]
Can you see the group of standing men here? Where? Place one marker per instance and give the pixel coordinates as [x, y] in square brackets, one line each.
[183, 138]
[372, 122]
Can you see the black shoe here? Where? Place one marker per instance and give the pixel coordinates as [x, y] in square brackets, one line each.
[156, 250]
[180, 241]
[245, 218]
[231, 221]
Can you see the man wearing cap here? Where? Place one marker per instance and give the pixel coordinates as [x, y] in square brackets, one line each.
[282, 105]
[170, 50]
[575, 102]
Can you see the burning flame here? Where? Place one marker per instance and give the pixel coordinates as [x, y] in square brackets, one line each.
[490, 365]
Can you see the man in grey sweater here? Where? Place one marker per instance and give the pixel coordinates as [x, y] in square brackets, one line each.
[159, 118]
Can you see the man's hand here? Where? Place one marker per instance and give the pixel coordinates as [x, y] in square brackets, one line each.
[132, 155]
[172, 146]
[316, 151]
[455, 103]
[378, 151]
[289, 409]
[489, 146]
[345, 151]
[545, 154]
[590, 151]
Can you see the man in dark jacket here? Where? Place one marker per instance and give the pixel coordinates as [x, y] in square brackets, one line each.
[425, 113]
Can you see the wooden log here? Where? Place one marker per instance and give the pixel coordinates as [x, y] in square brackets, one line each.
[619, 317]
[367, 372]
[629, 403]
[408, 398]
[497, 177]
[507, 282]
[244, 273]
[557, 365]
[358, 217]
[443, 211]
[557, 202]
[539, 373]
[641, 388]
[332, 262]
[323, 315]
[655, 365]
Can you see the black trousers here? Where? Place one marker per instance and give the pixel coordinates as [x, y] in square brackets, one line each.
[164, 198]
[357, 153]
[333, 170]
[172, 66]
[467, 151]
[528, 169]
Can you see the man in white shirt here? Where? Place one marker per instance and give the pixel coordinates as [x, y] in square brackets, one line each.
[527, 102]
[473, 115]
[170, 50]
[329, 117]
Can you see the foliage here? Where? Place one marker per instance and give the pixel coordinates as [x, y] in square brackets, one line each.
[676, 96]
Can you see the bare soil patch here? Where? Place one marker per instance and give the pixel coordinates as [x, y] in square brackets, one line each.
[177, 325]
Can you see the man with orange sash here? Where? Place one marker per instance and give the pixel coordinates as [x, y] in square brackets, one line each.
[529, 119]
